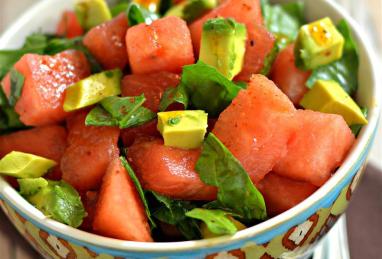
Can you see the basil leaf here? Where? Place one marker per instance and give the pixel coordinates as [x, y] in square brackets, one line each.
[173, 95]
[356, 128]
[269, 59]
[98, 116]
[216, 220]
[119, 8]
[345, 70]
[207, 88]
[139, 188]
[17, 83]
[218, 167]
[137, 14]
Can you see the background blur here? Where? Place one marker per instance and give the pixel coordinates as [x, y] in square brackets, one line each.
[365, 212]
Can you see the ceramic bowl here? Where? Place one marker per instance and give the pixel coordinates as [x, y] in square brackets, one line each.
[292, 234]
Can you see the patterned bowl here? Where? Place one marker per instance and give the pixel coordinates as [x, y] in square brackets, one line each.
[292, 234]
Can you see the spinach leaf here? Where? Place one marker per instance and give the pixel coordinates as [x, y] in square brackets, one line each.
[173, 212]
[218, 167]
[140, 191]
[345, 70]
[207, 88]
[124, 112]
[356, 128]
[173, 95]
[137, 14]
[216, 220]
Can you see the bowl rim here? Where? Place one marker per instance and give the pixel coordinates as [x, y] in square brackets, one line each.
[10, 195]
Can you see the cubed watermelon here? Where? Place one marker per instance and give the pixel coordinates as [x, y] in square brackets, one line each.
[119, 212]
[69, 25]
[151, 85]
[107, 42]
[164, 45]
[281, 193]
[318, 146]
[290, 79]
[169, 171]
[89, 200]
[46, 79]
[257, 126]
[146, 130]
[89, 152]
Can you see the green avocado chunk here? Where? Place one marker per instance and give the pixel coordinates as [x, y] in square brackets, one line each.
[91, 13]
[223, 45]
[318, 43]
[330, 97]
[55, 199]
[24, 165]
[183, 129]
[190, 10]
[93, 89]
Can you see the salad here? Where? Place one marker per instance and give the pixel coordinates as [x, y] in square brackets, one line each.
[177, 120]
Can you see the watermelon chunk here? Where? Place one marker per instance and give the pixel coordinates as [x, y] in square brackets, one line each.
[89, 152]
[164, 45]
[257, 126]
[146, 130]
[281, 193]
[243, 11]
[170, 171]
[69, 25]
[288, 77]
[319, 145]
[151, 85]
[47, 141]
[46, 79]
[119, 212]
[107, 42]
[89, 199]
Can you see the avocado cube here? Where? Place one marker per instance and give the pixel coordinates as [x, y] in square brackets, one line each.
[91, 13]
[223, 45]
[190, 10]
[318, 43]
[31, 186]
[93, 89]
[330, 97]
[24, 165]
[183, 129]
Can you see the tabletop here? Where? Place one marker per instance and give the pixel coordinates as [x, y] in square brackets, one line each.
[364, 239]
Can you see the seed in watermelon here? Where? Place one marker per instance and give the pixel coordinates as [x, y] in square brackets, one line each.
[89, 152]
[107, 42]
[69, 26]
[170, 172]
[290, 79]
[164, 45]
[46, 79]
[119, 212]
[281, 193]
[257, 126]
[318, 146]
[151, 85]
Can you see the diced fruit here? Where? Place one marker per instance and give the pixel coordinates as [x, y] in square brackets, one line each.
[93, 89]
[92, 12]
[290, 79]
[46, 79]
[88, 154]
[69, 26]
[192, 9]
[318, 43]
[330, 97]
[170, 172]
[119, 212]
[107, 43]
[89, 199]
[167, 46]
[319, 145]
[151, 85]
[257, 126]
[243, 11]
[146, 130]
[30, 186]
[281, 193]
[223, 45]
[183, 129]
[24, 165]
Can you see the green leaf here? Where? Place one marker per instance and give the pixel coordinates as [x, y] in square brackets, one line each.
[173, 212]
[345, 70]
[218, 167]
[269, 59]
[31, 186]
[173, 95]
[98, 116]
[17, 83]
[119, 8]
[137, 14]
[141, 193]
[164, 6]
[356, 128]
[208, 89]
[216, 220]
[9, 119]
